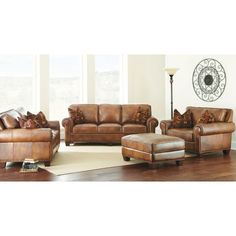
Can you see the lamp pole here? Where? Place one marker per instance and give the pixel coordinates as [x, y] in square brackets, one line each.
[171, 72]
[171, 96]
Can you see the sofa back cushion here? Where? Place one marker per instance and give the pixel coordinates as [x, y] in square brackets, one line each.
[90, 112]
[135, 113]
[218, 113]
[109, 113]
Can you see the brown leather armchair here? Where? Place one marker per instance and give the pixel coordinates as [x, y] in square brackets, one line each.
[205, 138]
[107, 123]
[17, 144]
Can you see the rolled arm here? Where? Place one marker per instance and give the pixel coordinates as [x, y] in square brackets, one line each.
[68, 123]
[152, 123]
[214, 128]
[26, 135]
[54, 125]
[165, 125]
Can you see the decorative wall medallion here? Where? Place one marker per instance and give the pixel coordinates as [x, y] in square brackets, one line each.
[209, 80]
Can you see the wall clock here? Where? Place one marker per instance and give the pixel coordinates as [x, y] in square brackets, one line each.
[209, 80]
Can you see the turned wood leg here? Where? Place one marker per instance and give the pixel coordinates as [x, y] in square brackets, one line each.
[126, 158]
[47, 163]
[226, 152]
[2, 165]
[179, 163]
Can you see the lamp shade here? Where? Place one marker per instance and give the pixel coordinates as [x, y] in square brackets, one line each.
[171, 71]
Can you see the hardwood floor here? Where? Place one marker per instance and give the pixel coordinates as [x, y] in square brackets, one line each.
[213, 167]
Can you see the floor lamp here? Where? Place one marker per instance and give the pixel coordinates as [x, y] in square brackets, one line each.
[171, 72]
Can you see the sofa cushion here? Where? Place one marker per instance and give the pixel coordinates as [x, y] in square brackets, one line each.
[90, 112]
[109, 128]
[9, 121]
[134, 128]
[184, 133]
[219, 114]
[109, 113]
[85, 128]
[129, 112]
[182, 121]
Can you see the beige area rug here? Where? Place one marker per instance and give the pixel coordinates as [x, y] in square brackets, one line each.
[83, 158]
[80, 158]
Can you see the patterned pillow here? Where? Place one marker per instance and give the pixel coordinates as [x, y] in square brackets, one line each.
[141, 116]
[40, 119]
[182, 121]
[206, 118]
[77, 116]
[28, 123]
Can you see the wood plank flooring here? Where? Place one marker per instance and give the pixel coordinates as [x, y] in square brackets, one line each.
[213, 167]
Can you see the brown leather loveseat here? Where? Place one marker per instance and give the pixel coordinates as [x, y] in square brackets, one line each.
[17, 144]
[107, 123]
[204, 137]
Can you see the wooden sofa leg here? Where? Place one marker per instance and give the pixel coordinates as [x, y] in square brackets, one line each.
[226, 152]
[47, 163]
[2, 165]
[126, 158]
[67, 144]
[179, 163]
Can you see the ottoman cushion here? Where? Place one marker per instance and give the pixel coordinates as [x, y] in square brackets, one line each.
[153, 147]
[153, 143]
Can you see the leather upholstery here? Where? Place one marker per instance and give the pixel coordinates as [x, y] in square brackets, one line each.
[153, 147]
[41, 144]
[85, 128]
[134, 128]
[107, 123]
[109, 114]
[128, 112]
[109, 128]
[184, 133]
[204, 138]
[90, 112]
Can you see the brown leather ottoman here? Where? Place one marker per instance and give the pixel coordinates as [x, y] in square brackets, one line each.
[153, 147]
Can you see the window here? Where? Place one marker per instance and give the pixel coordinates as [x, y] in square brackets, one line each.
[107, 79]
[16, 81]
[65, 86]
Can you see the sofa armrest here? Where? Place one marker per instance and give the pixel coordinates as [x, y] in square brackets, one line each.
[26, 135]
[152, 123]
[54, 125]
[68, 123]
[214, 128]
[165, 125]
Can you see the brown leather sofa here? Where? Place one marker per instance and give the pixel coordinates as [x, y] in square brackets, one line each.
[107, 123]
[204, 138]
[17, 144]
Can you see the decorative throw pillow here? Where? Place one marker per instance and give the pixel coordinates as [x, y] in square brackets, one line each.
[2, 127]
[40, 119]
[9, 122]
[28, 123]
[141, 116]
[182, 121]
[206, 117]
[77, 116]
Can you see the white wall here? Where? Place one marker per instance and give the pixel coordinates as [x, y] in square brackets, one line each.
[146, 82]
[184, 94]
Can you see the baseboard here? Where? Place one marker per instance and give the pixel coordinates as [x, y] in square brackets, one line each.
[233, 145]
